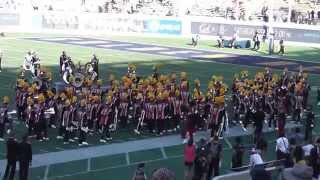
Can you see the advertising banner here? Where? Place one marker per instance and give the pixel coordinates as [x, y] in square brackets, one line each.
[215, 29]
[104, 23]
[170, 27]
[297, 35]
[247, 31]
[60, 21]
[9, 19]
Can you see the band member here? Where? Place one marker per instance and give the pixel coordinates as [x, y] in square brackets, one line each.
[65, 125]
[73, 121]
[194, 40]
[60, 104]
[63, 59]
[281, 45]
[83, 123]
[281, 122]
[160, 113]
[213, 118]
[220, 41]
[3, 116]
[40, 124]
[30, 116]
[105, 120]
[184, 88]
[150, 107]
[21, 98]
[256, 41]
[123, 108]
[51, 104]
[176, 110]
[298, 107]
[95, 64]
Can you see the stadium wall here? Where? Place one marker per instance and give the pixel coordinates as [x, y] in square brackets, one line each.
[106, 24]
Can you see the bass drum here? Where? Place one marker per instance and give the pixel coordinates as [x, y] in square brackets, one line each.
[78, 80]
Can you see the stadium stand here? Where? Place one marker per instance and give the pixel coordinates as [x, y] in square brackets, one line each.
[295, 11]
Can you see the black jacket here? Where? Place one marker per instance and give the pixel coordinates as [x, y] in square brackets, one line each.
[12, 149]
[25, 152]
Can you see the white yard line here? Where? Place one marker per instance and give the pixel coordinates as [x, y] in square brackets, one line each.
[89, 165]
[127, 159]
[228, 142]
[46, 172]
[164, 155]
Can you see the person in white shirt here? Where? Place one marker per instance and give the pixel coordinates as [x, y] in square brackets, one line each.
[282, 147]
[255, 158]
[307, 149]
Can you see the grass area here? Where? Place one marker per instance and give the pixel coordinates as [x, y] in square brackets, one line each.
[115, 62]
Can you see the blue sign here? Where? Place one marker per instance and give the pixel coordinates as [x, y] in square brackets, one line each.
[171, 27]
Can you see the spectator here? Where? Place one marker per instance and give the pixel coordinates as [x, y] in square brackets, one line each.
[298, 154]
[255, 158]
[12, 154]
[307, 149]
[297, 137]
[309, 123]
[283, 151]
[315, 159]
[214, 158]
[300, 171]
[259, 173]
[189, 157]
[201, 165]
[140, 174]
[163, 174]
[25, 157]
[238, 150]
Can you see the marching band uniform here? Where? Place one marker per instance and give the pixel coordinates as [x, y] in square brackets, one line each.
[150, 112]
[309, 125]
[21, 98]
[105, 120]
[95, 64]
[66, 120]
[30, 116]
[3, 116]
[123, 108]
[160, 114]
[81, 115]
[51, 103]
[63, 59]
[40, 124]
[177, 109]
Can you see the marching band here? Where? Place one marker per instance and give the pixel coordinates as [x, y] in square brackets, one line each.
[157, 104]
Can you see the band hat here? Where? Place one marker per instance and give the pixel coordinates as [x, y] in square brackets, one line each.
[183, 76]
[5, 100]
[41, 98]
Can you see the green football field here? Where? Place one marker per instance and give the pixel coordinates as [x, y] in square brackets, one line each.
[122, 166]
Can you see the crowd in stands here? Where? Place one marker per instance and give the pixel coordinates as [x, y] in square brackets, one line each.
[294, 11]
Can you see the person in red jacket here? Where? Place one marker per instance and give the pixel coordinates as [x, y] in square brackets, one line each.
[189, 156]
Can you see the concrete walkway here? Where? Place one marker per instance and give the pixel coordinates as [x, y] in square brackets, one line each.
[125, 147]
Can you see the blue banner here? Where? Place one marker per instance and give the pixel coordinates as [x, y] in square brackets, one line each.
[171, 27]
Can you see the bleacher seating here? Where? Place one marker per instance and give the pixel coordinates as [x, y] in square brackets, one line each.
[247, 10]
